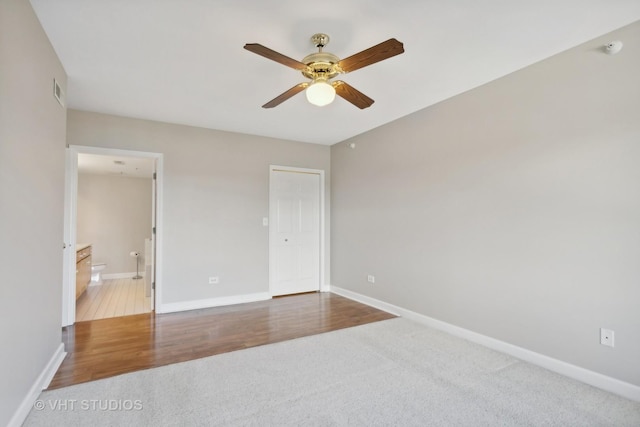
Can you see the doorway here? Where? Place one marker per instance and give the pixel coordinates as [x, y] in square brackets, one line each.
[112, 217]
[296, 232]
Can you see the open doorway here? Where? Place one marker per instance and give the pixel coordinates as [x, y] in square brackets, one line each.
[112, 230]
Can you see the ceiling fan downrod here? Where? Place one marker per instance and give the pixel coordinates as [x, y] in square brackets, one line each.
[320, 40]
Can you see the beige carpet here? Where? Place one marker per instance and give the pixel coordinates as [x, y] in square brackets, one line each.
[393, 372]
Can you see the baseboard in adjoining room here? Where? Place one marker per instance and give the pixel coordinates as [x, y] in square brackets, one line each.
[110, 276]
[613, 385]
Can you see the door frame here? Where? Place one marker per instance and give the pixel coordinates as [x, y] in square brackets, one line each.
[70, 223]
[321, 207]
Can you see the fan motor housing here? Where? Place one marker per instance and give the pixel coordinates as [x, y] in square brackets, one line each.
[321, 64]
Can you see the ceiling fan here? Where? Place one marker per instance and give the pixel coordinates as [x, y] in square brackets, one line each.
[321, 67]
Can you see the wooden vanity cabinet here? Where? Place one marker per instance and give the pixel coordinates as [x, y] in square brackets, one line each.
[83, 270]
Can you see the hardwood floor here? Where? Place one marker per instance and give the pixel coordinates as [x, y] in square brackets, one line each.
[108, 347]
[117, 297]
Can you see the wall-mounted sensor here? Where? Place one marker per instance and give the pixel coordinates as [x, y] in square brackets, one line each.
[613, 47]
[352, 145]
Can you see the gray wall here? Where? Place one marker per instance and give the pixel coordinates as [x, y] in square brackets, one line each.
[114, 216]
[216, 192]
[512, 210]
[32, 140]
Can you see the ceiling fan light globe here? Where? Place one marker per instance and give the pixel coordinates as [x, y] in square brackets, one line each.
[320, 93]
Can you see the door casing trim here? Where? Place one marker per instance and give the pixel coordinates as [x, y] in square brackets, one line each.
[70, 220]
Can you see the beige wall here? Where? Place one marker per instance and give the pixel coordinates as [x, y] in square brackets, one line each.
[114, 216]
[32, 140]
[216, 192]
[512, 210]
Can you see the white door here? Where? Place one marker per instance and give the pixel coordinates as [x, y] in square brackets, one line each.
[294, 236]
[150, 265]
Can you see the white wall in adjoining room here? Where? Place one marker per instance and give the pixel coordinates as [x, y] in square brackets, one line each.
[512, 210]
[114, 216]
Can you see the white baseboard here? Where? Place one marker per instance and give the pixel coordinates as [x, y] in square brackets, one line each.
[41, 383]
[613, 385]
[211, 302]
[121, 275]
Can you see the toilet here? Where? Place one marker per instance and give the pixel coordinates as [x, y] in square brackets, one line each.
[96, 269]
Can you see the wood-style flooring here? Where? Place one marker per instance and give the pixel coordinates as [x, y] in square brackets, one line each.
[108, 347]
[116, 297]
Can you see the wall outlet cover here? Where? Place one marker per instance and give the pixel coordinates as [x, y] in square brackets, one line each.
[607, 337]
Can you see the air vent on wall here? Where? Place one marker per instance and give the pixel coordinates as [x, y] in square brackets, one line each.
[57, 92]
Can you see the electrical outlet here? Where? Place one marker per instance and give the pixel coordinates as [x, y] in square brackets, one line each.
[606, 337]
[214, 280]
[371, 279]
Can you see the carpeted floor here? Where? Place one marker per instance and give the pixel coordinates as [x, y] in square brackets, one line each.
[393, 372]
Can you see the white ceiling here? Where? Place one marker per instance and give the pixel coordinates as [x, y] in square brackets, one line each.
[128, 167]
[182, 61]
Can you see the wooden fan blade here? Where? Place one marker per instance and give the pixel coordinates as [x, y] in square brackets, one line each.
[274, 56]
[377, 53]
[352, 95]
[286, 95]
